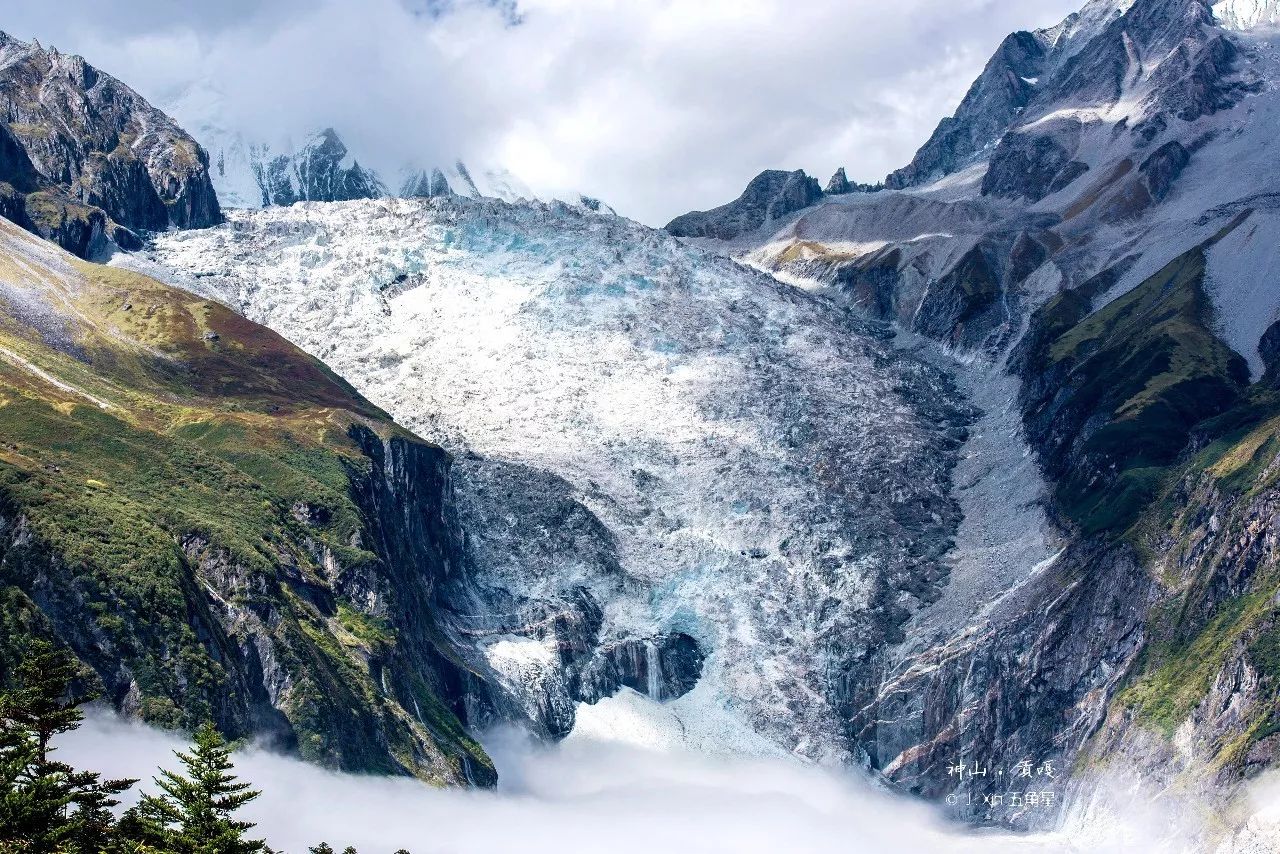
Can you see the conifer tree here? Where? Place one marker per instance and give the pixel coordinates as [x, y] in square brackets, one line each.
[194, 813]
[45, 805]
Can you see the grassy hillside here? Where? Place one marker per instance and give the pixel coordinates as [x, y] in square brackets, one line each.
[1113, 396]
[1147, 423]
[186, 500]
[1211, 535]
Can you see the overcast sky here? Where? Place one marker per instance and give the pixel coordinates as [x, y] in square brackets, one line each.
[655, 106]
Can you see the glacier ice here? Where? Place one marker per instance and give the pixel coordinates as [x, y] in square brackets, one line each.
[650, 439]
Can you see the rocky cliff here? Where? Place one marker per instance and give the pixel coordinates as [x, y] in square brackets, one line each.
[771, 195]
[87, 160]
[1104, 236]
[220, 527]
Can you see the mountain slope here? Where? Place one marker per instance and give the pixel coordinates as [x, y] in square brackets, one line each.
[87, 160]
[1098, 220]
[220, 527]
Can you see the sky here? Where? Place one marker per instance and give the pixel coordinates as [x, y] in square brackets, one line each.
[655, 106]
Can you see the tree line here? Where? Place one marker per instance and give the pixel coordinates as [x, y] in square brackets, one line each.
[49, 807]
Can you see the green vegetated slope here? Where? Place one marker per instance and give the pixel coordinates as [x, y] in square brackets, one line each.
[1157, 442]
[1212, 535]
[1116, 393]
[218, 525]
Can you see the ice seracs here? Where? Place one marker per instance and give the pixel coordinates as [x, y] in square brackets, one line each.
[662, 455]
[1247, 14]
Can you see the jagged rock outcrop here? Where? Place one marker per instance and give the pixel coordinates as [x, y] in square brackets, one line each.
[1032, 165]
[839, 184]
[664, 668]
[320, 171]
[771, 195]
[993, 103]
[1163, 167]
[96, 158]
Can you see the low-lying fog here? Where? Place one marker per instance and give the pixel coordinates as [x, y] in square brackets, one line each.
[583, 795]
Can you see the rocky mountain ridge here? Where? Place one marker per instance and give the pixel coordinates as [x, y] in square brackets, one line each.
[1096, 220]
[87, 161]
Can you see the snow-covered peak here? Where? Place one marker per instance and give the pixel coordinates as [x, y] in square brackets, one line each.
[251, 170]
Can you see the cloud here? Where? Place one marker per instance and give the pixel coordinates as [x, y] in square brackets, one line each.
[656, 106]
[602, 790]
[580, 796]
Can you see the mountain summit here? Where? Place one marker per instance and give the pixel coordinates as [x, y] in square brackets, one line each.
[1098, 222]
[87, 160]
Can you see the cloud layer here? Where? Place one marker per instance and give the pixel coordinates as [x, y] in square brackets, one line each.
[657, 106]
[581, 796]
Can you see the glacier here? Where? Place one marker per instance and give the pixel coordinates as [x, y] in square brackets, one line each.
[773, 495]
[642, 429]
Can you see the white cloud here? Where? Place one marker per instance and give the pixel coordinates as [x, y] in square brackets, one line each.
[657, 106]
[581, 796]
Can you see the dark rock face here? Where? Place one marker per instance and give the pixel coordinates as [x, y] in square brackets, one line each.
[319, 172]
[1198, 79]
[26, 199]
[770, 196]
[991, 106]
[94, 145]
[958, 308]
[663, 668]
[1028, 683]
[407, 498]
[1029, 166]
[1163, 167]
[16, 168]
[80, 229]
[1269, 346]
[1068, 175]
[426, 185]
[1039, 675]
[972, 306]
[872, 283]
[839, 184]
